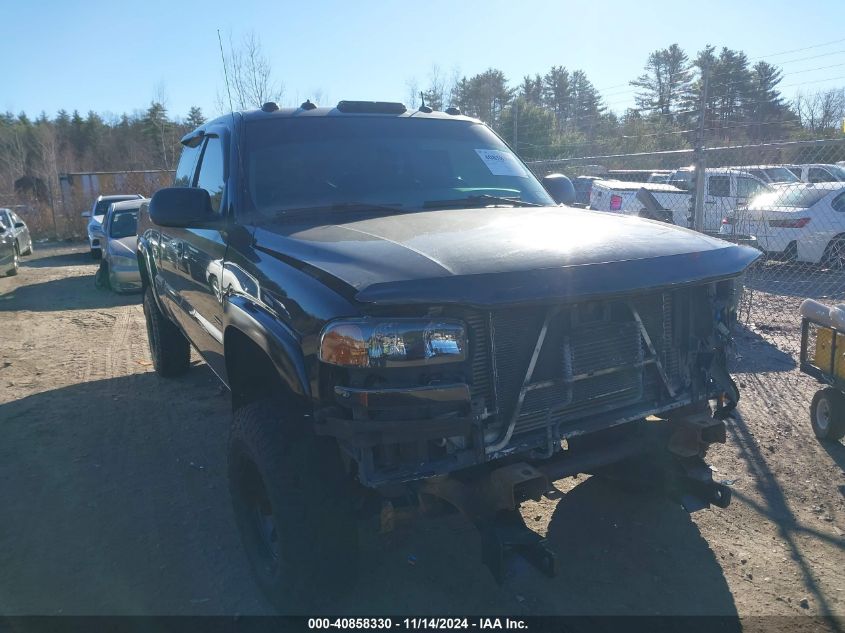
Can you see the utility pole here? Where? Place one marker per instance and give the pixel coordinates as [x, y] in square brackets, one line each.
[516, 126]
[700, 158]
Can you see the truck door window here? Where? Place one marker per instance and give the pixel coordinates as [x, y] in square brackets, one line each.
[210, 175]
[747, 187]
[817, 174]
[4, 219]
[720, 186]
[187, 163]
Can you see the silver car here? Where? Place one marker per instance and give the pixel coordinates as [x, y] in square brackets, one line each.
[119, 241]
[95, 219]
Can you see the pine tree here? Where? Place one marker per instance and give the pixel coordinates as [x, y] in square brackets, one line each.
[557, 94]
[195, 117]
[665, 82]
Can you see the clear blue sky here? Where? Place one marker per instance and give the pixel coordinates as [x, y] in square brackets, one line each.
[113, 56]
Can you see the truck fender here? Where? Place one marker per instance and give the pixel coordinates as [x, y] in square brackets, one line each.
[276, 339]
[147, 267]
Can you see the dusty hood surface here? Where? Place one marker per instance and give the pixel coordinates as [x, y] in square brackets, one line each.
[495, 255]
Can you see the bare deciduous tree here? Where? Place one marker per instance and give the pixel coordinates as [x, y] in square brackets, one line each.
[821, 111]
[250, 76]
[47, 168]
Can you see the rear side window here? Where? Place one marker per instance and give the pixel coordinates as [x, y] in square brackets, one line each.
[185, 170]
[838, 203]
[210, 175]
[720, 186]
[816, 174]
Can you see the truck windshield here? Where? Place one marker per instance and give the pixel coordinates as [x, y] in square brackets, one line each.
[404, 163]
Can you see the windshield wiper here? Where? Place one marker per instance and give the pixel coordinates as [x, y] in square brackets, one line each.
[478, 200]
[391, 207]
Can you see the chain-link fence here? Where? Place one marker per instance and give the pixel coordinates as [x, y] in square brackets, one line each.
[785, 199]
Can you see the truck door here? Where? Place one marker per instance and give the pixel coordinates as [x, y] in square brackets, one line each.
[717, 201]
[192, 258]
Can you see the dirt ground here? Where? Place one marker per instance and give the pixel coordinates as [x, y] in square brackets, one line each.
[114, 498]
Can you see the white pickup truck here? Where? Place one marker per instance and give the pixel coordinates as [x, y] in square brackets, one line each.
[725, 191]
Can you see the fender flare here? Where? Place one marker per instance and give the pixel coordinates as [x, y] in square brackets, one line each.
[278, 341]
[145, 258]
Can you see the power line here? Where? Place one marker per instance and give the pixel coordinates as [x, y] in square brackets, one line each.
[751, 59]
[690, 70]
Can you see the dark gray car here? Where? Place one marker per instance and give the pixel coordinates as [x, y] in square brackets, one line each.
[9, 257]
[18, 230]
[119, 264]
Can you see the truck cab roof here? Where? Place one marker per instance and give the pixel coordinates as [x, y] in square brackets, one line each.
[342, 109]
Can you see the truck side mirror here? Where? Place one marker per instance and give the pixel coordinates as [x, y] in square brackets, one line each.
[86, 214]
[183, 207]
[560, 188]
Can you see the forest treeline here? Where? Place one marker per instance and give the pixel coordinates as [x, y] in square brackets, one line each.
[559, 113]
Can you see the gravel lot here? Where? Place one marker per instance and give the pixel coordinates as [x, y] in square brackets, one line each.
[112, 484]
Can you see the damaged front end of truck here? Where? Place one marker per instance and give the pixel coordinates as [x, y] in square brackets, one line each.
[482, 392]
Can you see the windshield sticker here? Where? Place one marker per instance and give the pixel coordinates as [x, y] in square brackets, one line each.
[501, 163]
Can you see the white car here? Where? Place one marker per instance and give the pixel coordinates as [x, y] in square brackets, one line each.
[804, 223]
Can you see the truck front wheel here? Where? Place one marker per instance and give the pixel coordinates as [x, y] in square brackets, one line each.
[292, 505]
[169, 349]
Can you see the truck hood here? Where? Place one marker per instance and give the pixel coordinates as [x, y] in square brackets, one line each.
[490, 255]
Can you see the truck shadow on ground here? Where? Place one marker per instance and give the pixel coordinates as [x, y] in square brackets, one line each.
[43, 259]
[775, 507]
[67, 293]
[127, 512]
[797, 280]
[754, 354]
[618, 554]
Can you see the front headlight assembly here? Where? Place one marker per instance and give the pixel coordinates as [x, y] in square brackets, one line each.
[370, 342]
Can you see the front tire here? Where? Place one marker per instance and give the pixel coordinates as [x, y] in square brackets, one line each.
[292, 507]
[827, 414]
[169, 349]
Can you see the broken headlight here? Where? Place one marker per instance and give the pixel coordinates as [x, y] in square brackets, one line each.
[393, 342]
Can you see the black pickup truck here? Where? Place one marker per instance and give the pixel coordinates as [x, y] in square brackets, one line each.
[402, 311]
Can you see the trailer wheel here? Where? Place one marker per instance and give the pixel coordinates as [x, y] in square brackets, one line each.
[827, 414]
